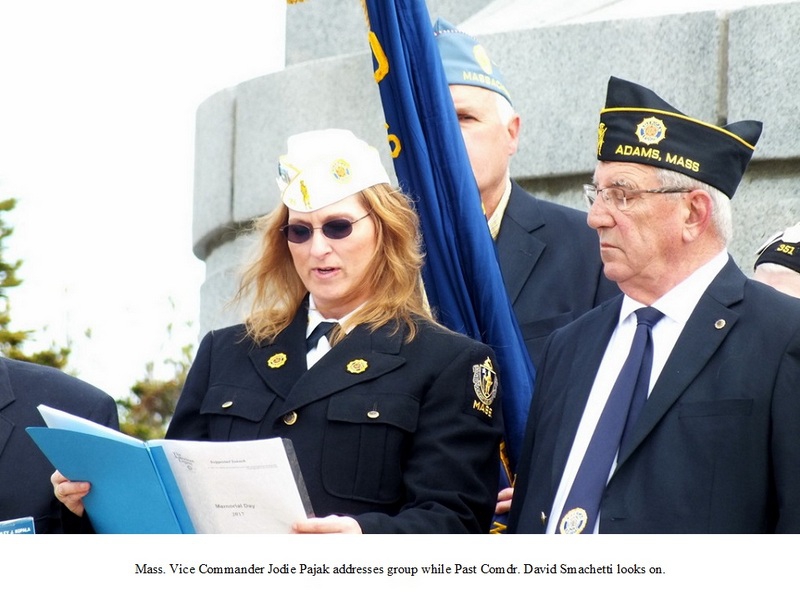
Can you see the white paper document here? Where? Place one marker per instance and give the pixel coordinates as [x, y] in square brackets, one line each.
[176, 486]
[238, 487]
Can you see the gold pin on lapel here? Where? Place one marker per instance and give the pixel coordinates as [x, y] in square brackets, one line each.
[720, 324]
[290, 418]
[276, 361]
[357, 366]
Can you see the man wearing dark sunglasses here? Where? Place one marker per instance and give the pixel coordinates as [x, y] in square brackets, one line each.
[395, 420]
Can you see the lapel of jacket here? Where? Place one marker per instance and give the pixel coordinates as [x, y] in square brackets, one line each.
[6, 398]
[708, 326]
[518, 250]
[283, 362]
[360, 357]
[583, 362]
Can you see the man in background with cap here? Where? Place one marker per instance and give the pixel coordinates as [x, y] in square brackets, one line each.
[778, 262]
[548, 255]
[714, 447]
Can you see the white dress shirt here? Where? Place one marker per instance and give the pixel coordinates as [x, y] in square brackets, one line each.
[677, 306]
[323, 346]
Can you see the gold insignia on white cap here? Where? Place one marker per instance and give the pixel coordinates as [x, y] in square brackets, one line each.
[327, 165]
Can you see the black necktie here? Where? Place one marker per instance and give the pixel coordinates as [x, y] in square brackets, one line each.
[626, 399]
[323, 328]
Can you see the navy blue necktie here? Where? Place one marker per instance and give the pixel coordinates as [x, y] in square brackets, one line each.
[622, 409]
[323, 328]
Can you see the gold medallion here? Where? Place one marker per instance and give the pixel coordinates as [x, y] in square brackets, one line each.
[651, 131]
[276, 361]
[574, 521]
[340, 169]
[357, 366]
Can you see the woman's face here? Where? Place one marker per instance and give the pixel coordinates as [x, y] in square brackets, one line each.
[334, 270]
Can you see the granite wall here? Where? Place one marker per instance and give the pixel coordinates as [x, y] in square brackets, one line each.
[716, 66]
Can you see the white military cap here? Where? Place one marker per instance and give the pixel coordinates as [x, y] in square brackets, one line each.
[324, 166]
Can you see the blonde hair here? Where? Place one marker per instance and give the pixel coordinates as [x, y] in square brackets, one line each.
[393, 275]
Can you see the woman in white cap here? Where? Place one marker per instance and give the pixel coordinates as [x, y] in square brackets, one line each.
[394, 419]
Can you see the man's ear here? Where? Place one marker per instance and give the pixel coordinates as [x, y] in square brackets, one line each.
[698, 208]
[513, 126]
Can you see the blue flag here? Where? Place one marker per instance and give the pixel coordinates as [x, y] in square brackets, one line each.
[461, 274]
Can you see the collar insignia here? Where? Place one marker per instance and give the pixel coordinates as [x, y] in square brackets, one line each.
[357, 366]
[276, 361]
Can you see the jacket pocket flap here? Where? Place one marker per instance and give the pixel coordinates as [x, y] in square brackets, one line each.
[226, 400]
[388, 409]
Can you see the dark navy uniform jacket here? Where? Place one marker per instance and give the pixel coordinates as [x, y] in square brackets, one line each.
[550, 261]
[402, 436]
[716, 448]
[25, 488]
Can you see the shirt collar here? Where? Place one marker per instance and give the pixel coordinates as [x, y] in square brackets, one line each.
[679, 302]
[497, 216]
[315, 317]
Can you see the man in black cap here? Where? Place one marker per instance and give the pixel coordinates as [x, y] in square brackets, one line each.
[778, 261]
[714, 446]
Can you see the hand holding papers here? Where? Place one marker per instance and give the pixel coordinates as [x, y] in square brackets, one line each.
[176, 486]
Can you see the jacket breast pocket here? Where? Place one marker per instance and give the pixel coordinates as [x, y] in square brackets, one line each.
[235, 413]
[365, 443]
[541, 328]
[717, 408]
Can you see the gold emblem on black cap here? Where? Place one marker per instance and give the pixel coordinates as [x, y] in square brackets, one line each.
[651, 131]
[601, 136]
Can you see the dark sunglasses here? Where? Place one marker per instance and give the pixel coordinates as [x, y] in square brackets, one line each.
[337, 229]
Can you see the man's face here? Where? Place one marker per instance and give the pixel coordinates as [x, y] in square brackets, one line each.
[490, 142]
[642, 247]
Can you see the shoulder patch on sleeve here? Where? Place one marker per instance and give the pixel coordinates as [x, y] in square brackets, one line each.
[484, 383]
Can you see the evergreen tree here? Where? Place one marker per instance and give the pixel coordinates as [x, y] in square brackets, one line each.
[146, 413]
[11, 341]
